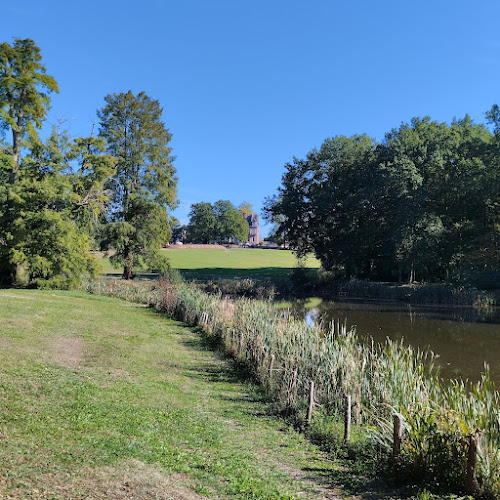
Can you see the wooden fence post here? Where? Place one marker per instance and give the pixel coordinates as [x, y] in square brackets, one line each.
[271, 364]
[311, 404]
[347, 426]
[471, 484]
[397, 437]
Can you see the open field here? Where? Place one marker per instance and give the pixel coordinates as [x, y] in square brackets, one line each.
[234, 262]
[106, 399]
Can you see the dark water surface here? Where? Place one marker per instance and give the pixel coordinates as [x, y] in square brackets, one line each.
[462, 338]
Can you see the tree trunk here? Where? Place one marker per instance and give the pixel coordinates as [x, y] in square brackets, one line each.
[10, 271]
[128, 272]
[412, 272]
[471, 484]
[16, 145]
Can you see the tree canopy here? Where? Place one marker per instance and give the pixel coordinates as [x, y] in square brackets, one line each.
[24, 92]
[59, 195]
[202, 226]
[422, 204]
[221, 221]
[44, 198]
[144, 184]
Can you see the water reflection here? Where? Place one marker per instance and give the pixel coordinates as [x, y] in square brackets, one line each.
[462, 338]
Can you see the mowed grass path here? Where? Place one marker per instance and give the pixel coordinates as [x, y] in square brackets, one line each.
[233, 262]
[101, 398]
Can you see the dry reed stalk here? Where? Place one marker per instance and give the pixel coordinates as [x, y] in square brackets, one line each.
[347, 421]
[397, 438]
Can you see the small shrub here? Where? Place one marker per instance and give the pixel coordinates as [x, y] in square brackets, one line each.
[56, 283]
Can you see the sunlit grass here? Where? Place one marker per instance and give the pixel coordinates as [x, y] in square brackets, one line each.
[101, 398]
[233, 262]
[385, 379]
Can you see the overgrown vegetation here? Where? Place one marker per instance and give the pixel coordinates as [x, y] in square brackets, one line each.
[439, 417]
[432, 293]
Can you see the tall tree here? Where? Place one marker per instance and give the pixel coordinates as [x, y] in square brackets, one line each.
[49, 241]
[24, 99]
[290, 208]
[202, 223]
[90, 197]
[144, 185]
[230, 223]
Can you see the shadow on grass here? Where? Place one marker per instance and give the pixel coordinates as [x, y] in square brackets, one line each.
[229, 372]
[224, 272]
[352, 474]
[350, 483]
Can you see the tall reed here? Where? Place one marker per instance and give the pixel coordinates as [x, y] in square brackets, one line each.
[382, 379]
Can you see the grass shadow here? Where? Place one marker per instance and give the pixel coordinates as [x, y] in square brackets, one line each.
[250, 401]
[254, 273]
[230, 371]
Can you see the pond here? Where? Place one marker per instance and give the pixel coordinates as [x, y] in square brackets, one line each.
[463, 339]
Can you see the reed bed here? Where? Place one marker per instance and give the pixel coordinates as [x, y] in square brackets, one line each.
[439, 418]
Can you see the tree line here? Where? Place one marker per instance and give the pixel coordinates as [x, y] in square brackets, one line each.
[60, 198]
[423, 204]
[220, 221]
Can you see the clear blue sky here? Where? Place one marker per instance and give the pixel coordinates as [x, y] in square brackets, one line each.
[247, 85]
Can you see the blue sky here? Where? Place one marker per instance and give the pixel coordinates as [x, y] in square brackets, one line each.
[247, 85]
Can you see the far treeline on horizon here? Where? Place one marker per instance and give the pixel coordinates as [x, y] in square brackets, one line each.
[422, 204]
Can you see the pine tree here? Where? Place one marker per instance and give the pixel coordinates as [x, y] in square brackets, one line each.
[24, 100]
[144, 184]
[24, 93]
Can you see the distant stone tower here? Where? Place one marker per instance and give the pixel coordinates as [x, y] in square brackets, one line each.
[254, 232]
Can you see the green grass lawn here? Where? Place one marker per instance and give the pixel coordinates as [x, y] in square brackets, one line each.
[106, 399]
[234, 262]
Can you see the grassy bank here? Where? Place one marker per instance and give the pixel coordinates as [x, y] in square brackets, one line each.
[106, 399]
[439, 419]
[220, 262]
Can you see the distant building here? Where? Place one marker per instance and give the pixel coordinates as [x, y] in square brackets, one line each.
[254, 232]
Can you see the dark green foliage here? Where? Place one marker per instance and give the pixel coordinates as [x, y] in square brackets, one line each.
[144, 183]
[247, 287]
[51, 197]
[422, 205]
[48, 212]
[218, 222]
[202, 223]
[230, 222]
